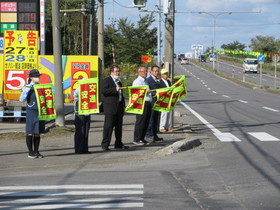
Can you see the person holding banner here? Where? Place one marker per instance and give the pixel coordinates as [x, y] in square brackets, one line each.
[82, 126]
[142, 120]
[34, 126]
[113, 106]
[153, 82]
[165, 117]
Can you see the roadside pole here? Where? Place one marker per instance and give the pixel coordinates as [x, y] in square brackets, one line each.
[59, 97]
[169, 43]
[100, 36]
[260, 75]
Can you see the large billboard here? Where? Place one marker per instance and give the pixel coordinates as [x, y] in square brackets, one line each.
[19, 15]
[74, 67]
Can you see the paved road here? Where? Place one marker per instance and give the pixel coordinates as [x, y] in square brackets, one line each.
[236, 71]
[247, 123]
[223, 173]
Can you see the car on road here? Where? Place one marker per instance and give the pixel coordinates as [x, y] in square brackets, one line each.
[212, 58]
[250, 65]
[202, 58]
[184, 61]
[181, 56]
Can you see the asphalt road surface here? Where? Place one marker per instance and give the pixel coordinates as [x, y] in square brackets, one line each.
[236, 167]
[236, 71]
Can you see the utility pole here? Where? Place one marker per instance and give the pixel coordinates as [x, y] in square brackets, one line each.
[159, 33]
[92, 47]
[59, 97]
[169, 43]
[84, 33]
[100, 36]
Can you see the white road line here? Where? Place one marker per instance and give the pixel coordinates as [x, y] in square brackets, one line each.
[62, 187]
[209, 88]
[270, 109]
[63, 192]
[69, 200]
[225, 96]
[223, 137]
[78, 206]
[245, 102]
[214, 92]
[262, 136]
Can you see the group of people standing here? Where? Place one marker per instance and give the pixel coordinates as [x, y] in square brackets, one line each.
[147, 125]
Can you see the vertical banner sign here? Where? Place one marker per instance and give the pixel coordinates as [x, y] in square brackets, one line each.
[137, 97]
[175, 96]
[45, 101]
[163, 99]
[20, 56]
[180, 81]
[79, 70]
[88, 96]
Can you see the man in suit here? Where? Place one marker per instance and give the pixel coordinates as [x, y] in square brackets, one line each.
[165, 117]
[113, 106]
[153, 83]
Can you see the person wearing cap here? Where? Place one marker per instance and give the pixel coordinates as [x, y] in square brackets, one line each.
[34, 126]
[165, 117]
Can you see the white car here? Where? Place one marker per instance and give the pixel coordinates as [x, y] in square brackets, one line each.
[184, 61]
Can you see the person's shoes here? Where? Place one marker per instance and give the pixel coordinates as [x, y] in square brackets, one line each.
[162, 130]
[170, 130]
[39, 155]
[139, 142]
[156, 138]
[149, 138]
[122, 147]
[86, 152]
[145, 142]
[32, 155]
[105, 148]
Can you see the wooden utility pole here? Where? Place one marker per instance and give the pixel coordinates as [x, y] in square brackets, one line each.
[169, 43]
[100, 36]
[58, 75]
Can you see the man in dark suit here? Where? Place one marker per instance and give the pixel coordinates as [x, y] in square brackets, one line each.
[113, 106]
[153, 81]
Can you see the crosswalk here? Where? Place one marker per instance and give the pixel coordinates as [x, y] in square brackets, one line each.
[260, 136]
[72, 196]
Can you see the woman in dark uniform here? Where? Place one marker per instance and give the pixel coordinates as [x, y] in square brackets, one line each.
[34, 126]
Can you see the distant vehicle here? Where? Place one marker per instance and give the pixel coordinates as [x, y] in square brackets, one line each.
[184, 61]
[250, 65]
[211, 58]
[202, 58]
[181, 56]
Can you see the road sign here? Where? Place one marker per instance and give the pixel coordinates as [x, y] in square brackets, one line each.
[275, 58]
[261, 58]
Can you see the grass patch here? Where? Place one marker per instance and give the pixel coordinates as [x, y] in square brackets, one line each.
[59, 132]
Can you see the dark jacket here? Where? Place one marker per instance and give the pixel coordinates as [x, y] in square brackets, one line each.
[163, 85]
[153, 85]
[110, 97]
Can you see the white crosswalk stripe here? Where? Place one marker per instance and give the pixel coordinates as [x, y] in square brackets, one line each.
[71, 196]
[262, 136]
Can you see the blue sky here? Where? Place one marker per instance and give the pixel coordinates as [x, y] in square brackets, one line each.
[193, 28]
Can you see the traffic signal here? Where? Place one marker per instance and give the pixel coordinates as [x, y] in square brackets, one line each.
[139, 3]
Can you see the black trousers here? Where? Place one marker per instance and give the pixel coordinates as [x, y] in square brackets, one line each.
[82, 125]
[153, 123]
[142, 122]
[111, 122]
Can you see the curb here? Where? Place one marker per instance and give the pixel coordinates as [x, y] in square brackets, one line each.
[179, 146]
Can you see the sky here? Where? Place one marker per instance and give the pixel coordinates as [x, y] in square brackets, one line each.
[248, 19]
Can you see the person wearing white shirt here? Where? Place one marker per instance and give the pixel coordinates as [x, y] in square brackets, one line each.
[142, 120]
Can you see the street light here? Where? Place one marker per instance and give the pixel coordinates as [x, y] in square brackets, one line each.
[215, 15]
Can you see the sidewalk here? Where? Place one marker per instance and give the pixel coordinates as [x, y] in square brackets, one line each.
[59, 152]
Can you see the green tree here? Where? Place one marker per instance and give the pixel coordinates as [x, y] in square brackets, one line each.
[264, 44]
[234, 46]
[130, 40]
[70, 27]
